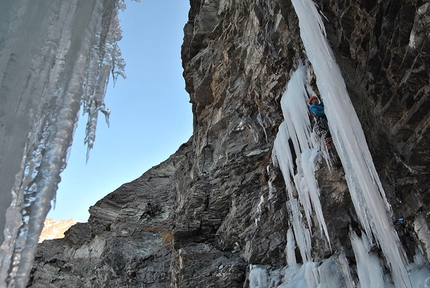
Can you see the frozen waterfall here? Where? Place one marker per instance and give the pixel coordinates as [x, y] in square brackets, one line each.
[365, 188]
[297, 150]
[55, 56]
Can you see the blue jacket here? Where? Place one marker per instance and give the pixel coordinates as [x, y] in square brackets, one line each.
[317, 109]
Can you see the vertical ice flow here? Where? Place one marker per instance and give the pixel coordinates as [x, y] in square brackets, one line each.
[298, 164]
[363, 181]
[54, 56]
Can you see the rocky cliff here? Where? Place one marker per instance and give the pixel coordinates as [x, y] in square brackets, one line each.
[219, 205]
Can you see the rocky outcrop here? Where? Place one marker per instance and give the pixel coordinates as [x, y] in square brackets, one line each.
[219, 203]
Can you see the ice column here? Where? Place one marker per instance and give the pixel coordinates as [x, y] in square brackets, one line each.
[46, 66]
[364, 185]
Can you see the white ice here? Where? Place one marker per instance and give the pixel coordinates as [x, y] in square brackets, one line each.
[298, 166]
[363, 181]
[290, 249]
[257, 277]
[308, 275]
[369, 267]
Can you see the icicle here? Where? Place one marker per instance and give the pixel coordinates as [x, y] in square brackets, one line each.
[106, 59]
[285, 160]
[106, 111]
[66, 71]
[309, 158]
[291, 246]
[296, 112]
[301, 233]
[118, 62]
[119, 65]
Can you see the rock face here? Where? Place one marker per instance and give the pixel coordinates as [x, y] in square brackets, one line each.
[219, 203]
[128, 244]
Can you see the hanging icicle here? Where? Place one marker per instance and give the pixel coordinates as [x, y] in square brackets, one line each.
[62, 64]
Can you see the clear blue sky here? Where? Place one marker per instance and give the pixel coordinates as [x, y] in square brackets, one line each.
[151, 114]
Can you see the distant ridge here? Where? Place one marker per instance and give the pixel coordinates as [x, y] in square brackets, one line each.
[54, 229]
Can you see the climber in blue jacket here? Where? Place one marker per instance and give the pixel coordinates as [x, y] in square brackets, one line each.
[317, 109]
[316, 106]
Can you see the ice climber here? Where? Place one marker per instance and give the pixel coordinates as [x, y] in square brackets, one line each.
[317, 110]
